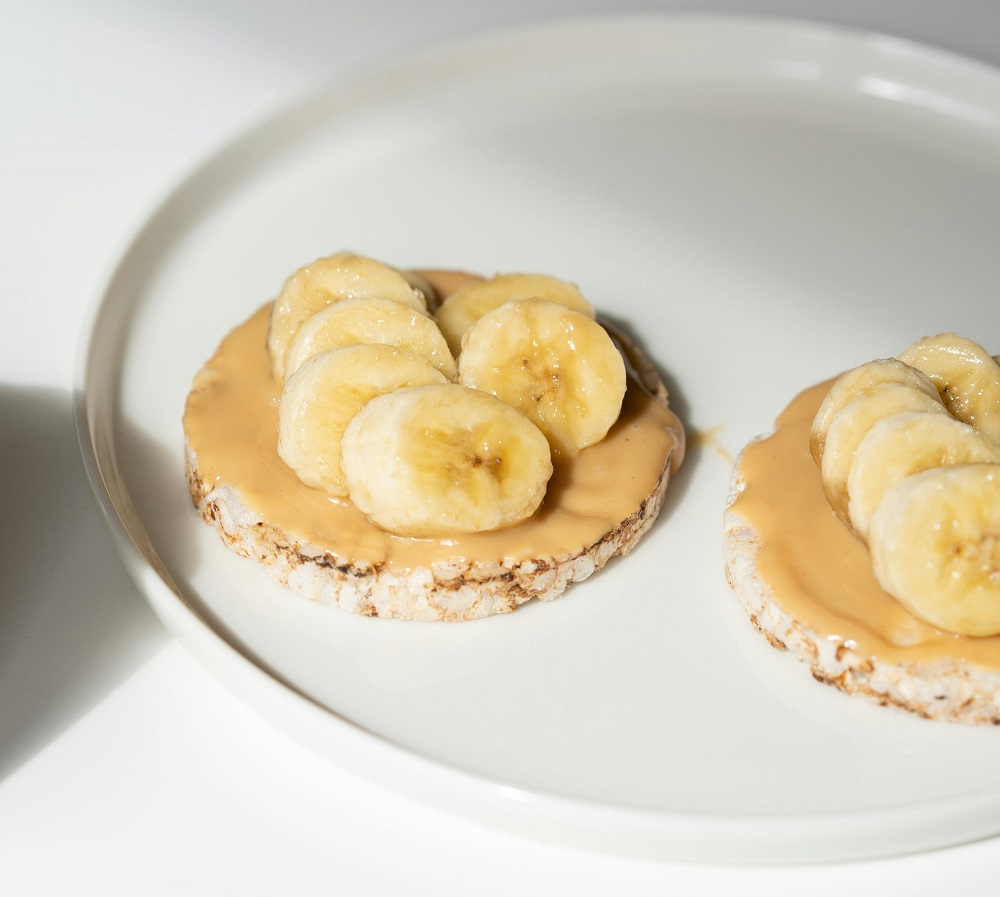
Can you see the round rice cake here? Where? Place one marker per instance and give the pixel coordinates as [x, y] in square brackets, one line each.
[596, 507]
[806, 583]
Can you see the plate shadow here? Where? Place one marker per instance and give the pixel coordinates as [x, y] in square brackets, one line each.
[72, 625]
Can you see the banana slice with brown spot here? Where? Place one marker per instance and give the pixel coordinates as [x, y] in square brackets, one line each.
[935, 545]
[558, 367]
[441, 460]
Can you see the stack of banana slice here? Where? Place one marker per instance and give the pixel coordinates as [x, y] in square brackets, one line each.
[909, 454]
[375, 409]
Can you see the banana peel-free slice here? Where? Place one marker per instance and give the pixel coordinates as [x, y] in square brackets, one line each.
[320, 398]
[560, 368]
[327, 280]
[966, 375]
[935, 546]
[463, 308]
[440, 460]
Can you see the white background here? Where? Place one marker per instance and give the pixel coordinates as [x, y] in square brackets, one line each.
[124, 767]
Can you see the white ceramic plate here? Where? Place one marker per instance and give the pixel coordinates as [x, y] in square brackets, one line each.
[766, 204]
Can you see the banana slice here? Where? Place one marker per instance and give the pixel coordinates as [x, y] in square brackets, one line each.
[860, 381]
[469, 303]
[320, 398]
[905, 444]
[853, 422]
[420, 284]
[966, 375]
[935, 545]
[440, 460]
[557, 366]
[350, 322]
[328, 280]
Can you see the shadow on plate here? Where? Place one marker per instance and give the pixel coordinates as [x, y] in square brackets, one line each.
[72, 625]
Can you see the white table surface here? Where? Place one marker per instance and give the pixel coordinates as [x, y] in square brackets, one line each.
[125, 768]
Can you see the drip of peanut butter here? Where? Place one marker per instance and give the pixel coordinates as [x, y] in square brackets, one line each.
[231, 422]
[819, 571]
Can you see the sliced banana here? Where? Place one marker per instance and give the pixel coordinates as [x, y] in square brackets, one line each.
[966, 375]
[320, 398]
[422, 285]
[557, 366]
[354, 321]
[935, 546]
[469, 303]
[852, 423]
[860, 381]
[440, 460]
[328, 280]
[904, 444]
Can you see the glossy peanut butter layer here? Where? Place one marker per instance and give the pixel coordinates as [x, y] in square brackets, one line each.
[820, 573]
[231, 422]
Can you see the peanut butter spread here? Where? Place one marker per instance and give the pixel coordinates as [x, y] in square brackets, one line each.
[231, 422]
[819, 571]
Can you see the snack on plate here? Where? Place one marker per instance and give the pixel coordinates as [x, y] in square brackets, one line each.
[428, 445]
[864, 533]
